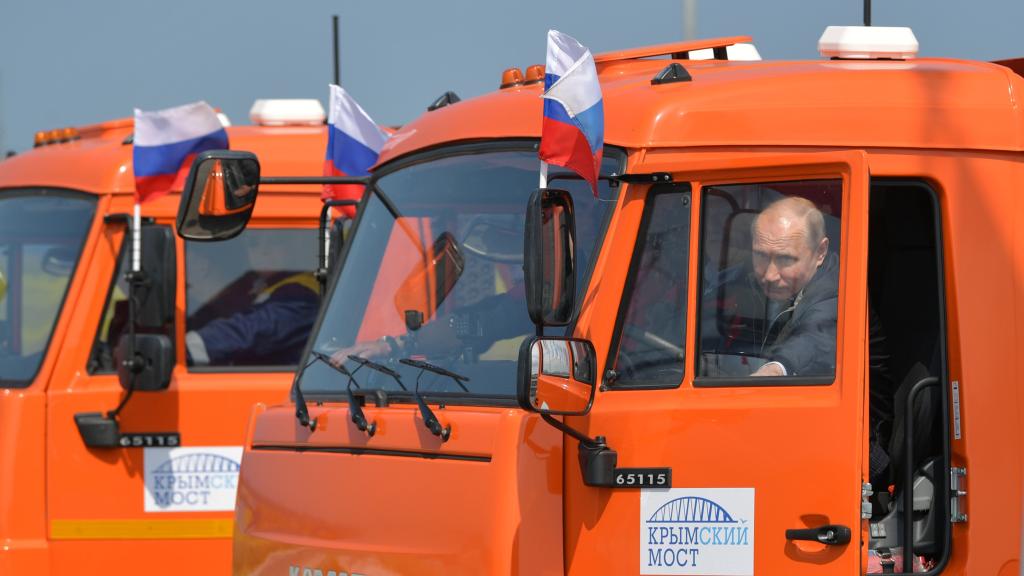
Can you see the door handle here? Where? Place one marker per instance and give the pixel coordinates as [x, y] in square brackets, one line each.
[830, 534]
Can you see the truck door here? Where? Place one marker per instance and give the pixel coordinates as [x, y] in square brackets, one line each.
[163, 501]
[737, 361]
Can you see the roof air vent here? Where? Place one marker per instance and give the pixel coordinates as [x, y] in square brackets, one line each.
[443, 100]
[674, 72]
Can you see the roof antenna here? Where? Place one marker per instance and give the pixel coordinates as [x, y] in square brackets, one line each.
[689, 19]
[337, 52]
[867, 13]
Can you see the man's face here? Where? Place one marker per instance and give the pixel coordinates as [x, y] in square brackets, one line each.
[784, 260]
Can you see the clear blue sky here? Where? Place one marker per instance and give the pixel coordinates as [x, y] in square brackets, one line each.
[67, 62]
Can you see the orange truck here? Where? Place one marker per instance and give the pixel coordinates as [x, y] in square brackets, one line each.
[155, 492]
[779, 340]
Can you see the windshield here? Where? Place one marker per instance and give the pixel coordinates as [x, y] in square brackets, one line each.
[435, 273]
[41, 238]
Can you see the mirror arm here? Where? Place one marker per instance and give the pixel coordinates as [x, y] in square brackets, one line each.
[597, 460]
[325, 214]
[134, 365]
[583, 438]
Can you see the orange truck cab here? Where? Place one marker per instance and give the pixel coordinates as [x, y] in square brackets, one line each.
[156, 493]
[779, 340]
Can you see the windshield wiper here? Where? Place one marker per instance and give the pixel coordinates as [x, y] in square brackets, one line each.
[355, 409]
[378, 367]
[301, 410]
[458, 378]
[429, 419]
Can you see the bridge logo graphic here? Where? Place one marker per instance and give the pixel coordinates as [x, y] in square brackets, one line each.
[692, 509]
[706, 531]
[191, 479]
[205, 463]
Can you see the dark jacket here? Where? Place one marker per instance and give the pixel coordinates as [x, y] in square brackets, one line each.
[271, 332]
[800, 334]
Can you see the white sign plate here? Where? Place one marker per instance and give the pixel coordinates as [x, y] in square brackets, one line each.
[705, 531]
[193, 479]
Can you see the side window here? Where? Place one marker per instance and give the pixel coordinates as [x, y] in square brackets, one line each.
[114, 322]
[650, 336]
[769, 282]
[252, 300]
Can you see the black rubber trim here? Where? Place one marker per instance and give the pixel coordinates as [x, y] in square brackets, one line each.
[370, 452]
[759, 382]
[749, 381]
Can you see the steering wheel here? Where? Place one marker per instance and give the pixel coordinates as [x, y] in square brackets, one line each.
[481, 221]
[662, 361]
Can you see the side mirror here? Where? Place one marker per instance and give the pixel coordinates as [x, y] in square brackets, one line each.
[219, 195]
[550, 258]
[151, 364]
[156, 294]
[557, 376]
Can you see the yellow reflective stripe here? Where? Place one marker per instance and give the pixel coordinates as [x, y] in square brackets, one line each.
[302, 279]
[140, 529]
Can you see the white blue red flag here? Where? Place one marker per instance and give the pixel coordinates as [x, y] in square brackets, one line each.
[353, 145]
[165, 143]
[573, 129]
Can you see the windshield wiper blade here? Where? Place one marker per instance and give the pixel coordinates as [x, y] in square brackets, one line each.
[378, 367]
[355, 409]
[429, 419]
[458, 378]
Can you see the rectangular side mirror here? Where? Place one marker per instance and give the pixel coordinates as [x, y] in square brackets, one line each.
[550, 258]
[556, 375]
[219, 195]
[156, 294]
[151, 365]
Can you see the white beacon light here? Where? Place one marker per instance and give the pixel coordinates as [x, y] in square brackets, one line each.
[868, 43]
[287, 112]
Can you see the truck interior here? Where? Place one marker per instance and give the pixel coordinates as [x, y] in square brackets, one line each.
[906, 292]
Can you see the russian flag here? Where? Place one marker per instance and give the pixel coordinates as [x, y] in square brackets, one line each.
[166, 142]
[573, 131]
[353, 145]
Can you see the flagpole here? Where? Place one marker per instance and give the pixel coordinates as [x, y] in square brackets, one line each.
[136, 239]
[543, 174]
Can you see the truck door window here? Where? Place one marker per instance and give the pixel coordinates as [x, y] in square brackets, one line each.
[252, 300]
[114, 322]
[649, 345]
[769, 282]
[41, 237]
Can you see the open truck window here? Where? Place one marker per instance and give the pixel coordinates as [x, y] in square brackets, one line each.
[434, 272]
[252, 300]
[770, 281]
[42, 232]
